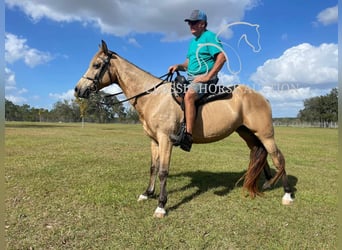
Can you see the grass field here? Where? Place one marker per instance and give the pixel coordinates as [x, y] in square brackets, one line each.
[69, 187]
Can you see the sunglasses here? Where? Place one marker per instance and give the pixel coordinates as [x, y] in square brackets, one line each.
[193, 22]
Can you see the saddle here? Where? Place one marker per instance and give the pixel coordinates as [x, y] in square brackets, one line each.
[214, 92]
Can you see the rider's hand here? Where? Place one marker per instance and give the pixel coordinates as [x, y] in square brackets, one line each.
[173, 68]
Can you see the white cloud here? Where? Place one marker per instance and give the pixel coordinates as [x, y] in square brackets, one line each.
[16, 49]
[286, 101]
[134, 42]
[12, 92]
[289, 93]
[111, 89]
[10, 82]
[304, 64]
[227, 80]
[68, 95]
[301, 72]
[328, 16]
[124, 17]
[19, 100]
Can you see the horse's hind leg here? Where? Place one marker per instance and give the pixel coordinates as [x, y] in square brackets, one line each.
[277, 158]
[251, 141]
[279, 161]
[153, 172]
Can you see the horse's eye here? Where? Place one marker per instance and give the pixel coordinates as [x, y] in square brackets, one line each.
[97, 65]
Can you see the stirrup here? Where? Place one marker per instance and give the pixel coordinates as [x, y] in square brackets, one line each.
[182, 139]
[177, 139]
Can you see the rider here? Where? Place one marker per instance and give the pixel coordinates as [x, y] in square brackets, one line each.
[203, 62]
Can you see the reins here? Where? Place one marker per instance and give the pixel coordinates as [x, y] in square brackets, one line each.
[105, 68]
[146, 92]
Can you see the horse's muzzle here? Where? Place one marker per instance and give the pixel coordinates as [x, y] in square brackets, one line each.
[82, 93]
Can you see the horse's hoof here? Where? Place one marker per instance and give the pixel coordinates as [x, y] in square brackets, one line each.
[142, 197]
[159, 213]
[287, 199]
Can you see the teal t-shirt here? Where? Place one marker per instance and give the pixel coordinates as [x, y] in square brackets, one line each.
[201, 58]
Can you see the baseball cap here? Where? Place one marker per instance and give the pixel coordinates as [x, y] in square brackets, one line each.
[197, 15]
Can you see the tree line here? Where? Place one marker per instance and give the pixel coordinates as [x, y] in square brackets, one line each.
[321, 109]
[98, 108]
[103, 109]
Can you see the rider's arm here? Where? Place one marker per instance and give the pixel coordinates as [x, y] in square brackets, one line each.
[183, 66]
[179, 67]
[220, 59]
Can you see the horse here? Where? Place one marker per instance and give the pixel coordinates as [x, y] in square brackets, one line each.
[247, 112]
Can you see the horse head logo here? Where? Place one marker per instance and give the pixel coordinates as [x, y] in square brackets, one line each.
[253, 41]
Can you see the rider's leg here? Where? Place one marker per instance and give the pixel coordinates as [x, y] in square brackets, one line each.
[190, 109]
[184, 137]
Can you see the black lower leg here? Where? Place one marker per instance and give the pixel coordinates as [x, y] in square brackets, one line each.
[151, 187]
[163, 193]
[286, 185]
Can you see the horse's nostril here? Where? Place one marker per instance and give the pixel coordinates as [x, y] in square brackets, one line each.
[86, 93]
[76, 89]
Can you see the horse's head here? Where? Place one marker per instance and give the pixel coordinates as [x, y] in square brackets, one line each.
[98, 75]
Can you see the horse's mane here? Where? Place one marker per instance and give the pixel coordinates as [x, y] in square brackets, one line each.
[132, 64]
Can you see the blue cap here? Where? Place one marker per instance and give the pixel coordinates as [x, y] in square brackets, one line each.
[197, 15]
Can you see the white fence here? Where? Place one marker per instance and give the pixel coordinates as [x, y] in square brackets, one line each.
[306, 124]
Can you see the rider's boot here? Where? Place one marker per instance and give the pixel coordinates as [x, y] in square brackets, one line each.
[186, 142]
[182, 139]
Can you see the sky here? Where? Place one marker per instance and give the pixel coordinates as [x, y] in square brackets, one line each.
[290, 52]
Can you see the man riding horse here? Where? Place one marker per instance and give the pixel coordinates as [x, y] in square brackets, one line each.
[202, 65]
[246, 112]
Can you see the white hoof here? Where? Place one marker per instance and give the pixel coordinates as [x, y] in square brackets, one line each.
[142, 197]
[287, 199]
[159, 213]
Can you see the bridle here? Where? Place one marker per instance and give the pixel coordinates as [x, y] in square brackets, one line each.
[104, 68]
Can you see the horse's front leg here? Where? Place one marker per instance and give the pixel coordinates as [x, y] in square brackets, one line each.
[165, 149]
[153, 172]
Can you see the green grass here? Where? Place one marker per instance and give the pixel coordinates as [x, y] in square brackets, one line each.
[69, 187]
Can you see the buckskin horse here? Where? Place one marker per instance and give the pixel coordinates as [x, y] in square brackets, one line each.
[246, 112]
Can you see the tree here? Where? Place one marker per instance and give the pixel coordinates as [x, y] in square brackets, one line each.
[12, 111]
[114, 109]
[83, 104]
[65, 112]
[323, 109]
[132, 115]
[15, 112]
[101, 108]
[98, 108]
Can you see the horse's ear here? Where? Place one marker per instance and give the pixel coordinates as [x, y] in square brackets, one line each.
[104, 47]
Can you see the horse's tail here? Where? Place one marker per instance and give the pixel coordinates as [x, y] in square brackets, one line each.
[258, 159]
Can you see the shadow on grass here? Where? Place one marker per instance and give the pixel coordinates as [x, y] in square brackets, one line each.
[205, 181]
